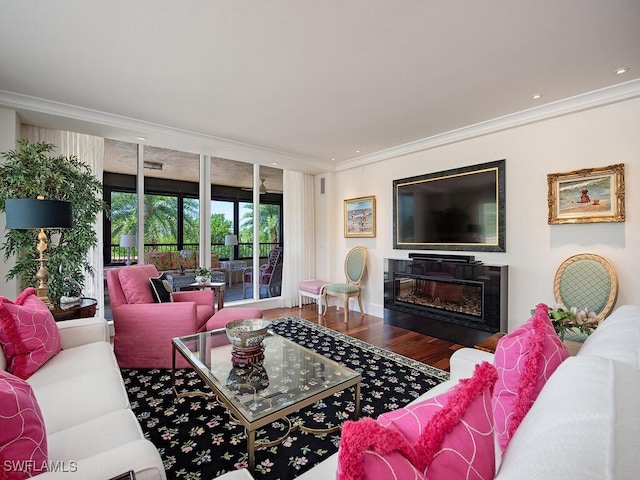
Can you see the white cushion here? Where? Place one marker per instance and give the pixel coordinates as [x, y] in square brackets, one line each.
[94, 436]
[73, 362]
[81, 331]
[70, 402]
[584, 425]
[140, 456]
[617, 338]
[325, 470]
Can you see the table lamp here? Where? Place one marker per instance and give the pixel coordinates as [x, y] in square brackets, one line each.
[128, 241]
[38, 214]
[231, 240]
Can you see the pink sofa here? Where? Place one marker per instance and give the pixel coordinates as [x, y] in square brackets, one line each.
[144, 329]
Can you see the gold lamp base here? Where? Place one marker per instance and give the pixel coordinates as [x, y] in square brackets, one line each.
[43, 274]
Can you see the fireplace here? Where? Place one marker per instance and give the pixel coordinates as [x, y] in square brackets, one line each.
[450, 297]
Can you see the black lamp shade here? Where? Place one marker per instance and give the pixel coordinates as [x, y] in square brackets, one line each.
[31, 213]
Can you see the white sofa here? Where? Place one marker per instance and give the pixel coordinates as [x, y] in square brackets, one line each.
[91, 431]
[584, 425]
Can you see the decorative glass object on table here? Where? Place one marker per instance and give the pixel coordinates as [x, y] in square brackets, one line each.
[246, 337]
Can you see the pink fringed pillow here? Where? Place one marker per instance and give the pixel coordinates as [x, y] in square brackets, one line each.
[524, 359]
[28, 333]
[448, 436]
[23, 440]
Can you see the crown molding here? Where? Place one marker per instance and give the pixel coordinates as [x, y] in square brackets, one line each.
[596, 98]
[225, 148]
[216, 146]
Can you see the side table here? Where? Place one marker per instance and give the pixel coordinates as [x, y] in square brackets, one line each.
[86, 307]
[180, 280]
[217, 287]
[232, 266]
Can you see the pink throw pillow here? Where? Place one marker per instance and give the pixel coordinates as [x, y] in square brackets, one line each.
[134, 282]
[448, 436]
[524, 359]
[23, 439]
[28, 333]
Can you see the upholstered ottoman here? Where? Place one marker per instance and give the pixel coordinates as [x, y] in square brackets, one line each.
[229, 314]
[313, 289]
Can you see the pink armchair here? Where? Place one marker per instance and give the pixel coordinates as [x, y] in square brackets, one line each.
[144, 329]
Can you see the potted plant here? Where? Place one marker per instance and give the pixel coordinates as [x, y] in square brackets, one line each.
[203, 274]
[572, 320]
[29, 171]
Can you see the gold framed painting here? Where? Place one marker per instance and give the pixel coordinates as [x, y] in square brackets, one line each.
[589, 195]
[360, 217]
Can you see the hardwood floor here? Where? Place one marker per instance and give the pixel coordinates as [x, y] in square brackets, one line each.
[368, 328]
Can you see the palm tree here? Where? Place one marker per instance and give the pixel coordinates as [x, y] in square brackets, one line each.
[269, 218]
[124, 214]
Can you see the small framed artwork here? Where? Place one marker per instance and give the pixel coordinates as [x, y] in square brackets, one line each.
[360, 217]
[587, 196]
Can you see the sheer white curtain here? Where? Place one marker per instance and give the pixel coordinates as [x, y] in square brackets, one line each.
[90, 150]
[299, 233]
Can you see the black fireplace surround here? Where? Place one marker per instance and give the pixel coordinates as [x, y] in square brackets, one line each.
[451, 297]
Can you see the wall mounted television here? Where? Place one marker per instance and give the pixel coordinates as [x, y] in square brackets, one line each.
[458, 209]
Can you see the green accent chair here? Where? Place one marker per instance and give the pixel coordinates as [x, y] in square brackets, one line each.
[354, 267]
[586, 282]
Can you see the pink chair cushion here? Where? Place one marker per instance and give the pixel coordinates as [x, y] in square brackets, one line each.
[28, 333]
[448, 436]
[312, 286]
[134, 282]
[229, 314]
[23, 439]
[525, 359]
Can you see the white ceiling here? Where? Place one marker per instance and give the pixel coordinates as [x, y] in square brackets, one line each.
[306, 83]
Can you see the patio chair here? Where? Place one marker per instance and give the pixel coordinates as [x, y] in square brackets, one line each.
[354, 267]
[269, 277]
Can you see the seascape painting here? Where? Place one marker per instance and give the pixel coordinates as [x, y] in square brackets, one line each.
[587, 196]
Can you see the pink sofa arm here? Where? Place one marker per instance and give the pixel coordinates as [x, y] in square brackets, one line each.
[144, 332]
[201, 297]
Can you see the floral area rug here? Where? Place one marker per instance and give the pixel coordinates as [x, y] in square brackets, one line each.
[196, 439]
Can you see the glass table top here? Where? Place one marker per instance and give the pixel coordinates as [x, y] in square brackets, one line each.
[289, 374]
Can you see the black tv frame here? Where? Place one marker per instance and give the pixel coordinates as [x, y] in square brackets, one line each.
[499, 166]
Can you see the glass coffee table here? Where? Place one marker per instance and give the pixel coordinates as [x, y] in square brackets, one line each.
[289, 378]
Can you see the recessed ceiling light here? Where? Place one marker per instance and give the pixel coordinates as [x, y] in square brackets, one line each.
[274, 163]
[333, 159]
[537, 96]
[357, 151]
[621, 70]
[141, 138]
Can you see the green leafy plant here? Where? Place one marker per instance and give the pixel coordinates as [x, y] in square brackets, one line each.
[564, 320]
[29, 171]
[203, 272]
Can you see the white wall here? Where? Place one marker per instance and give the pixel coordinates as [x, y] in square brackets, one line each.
[592, 138]
[9, 133]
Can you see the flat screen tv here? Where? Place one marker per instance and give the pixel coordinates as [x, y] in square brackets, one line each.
[459, 209]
